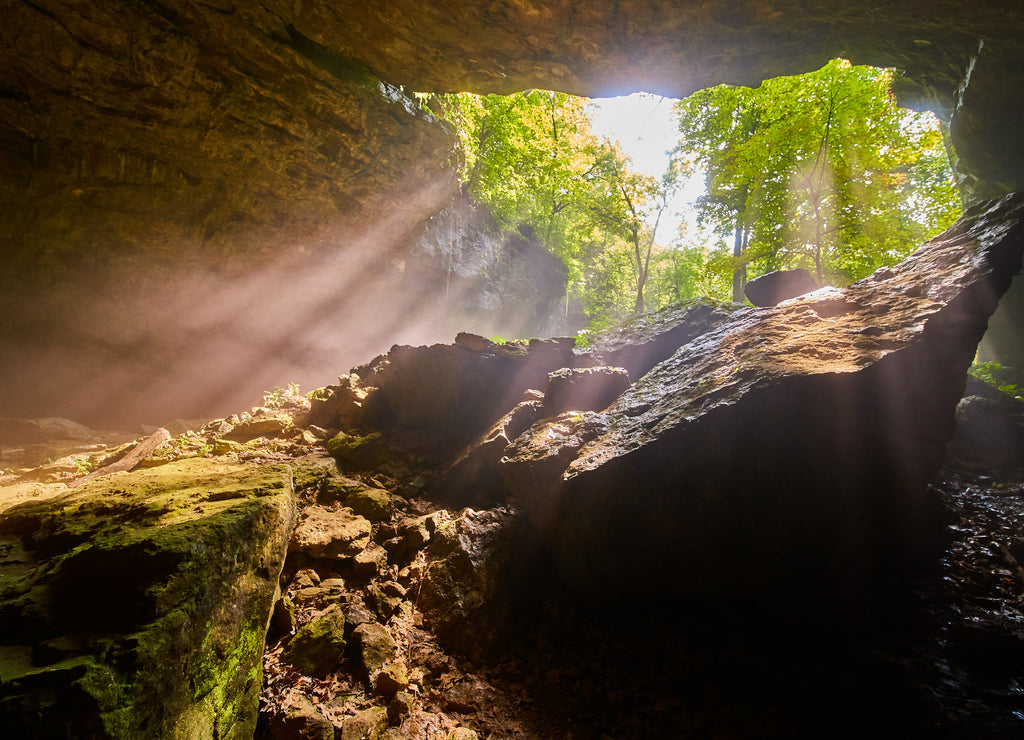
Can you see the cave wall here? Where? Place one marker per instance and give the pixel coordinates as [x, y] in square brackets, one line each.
[200, 200]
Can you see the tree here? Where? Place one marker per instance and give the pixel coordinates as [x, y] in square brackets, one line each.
[822, 171]
[532, 160]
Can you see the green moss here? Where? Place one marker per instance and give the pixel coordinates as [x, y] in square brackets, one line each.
[168, 575]
[358, 453]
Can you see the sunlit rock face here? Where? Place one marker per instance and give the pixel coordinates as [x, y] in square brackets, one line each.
[487, 279]
[791, 443]
[201, 200]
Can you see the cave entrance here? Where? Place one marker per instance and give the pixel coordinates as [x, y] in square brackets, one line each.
[649, 200]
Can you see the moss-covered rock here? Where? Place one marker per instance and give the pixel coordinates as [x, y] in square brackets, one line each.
[373, 503]
[320, 645]
[358, 453]
[151, 592]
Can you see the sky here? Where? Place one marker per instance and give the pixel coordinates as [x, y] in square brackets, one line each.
[646, 129]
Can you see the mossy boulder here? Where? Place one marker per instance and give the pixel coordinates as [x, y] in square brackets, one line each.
[374, 504]
[358, 453]
[137, 604]
[320, 644]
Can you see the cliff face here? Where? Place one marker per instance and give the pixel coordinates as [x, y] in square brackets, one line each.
[245, 180]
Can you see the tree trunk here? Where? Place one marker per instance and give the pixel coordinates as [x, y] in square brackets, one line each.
[739, 273]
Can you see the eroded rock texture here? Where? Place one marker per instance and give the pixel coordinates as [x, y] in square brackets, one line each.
[137, 605]
[793, 441]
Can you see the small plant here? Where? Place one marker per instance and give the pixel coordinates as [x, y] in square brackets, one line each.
[320, 394]
[280, 397]
[84, 466]
[1005, 379]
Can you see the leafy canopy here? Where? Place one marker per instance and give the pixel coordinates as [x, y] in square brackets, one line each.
[821, 170]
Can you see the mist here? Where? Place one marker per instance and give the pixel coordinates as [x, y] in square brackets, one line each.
[206, 341]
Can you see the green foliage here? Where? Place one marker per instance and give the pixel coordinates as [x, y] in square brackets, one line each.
[821, 171]
[1005, 379]
[532, 159]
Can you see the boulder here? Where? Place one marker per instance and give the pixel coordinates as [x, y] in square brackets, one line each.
[265, 424]
[643, 341]
[584, 389]
[473, 479]
[778, 286]
[137, 605]
[358, 452]
[330, 533]
[375, 647]
[792, 444]
[989, 434]
[367, 724]
[320, 644]
[374, 504]
[301, 721]
[480, 569]
[436, 400]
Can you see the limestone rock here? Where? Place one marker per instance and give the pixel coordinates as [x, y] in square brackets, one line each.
[778, 286]
[358, 452]
[400, 706]
[164, 580]
[584, 389]
[319, 645]
[790, 439]
[301, 721]
[375, 646]
[373, 503]
[468, 592]
[339, 406]
[438, 399]
[495, 281]
[368, 724]
[369, 562]
[330, 533]
[270, 424]
[473, 479]
[989, 434]
[643, 341]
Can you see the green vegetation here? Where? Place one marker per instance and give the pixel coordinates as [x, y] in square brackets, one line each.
[1005, 379]
[822, 171]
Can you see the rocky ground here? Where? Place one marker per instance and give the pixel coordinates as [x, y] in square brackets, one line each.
[400, 618]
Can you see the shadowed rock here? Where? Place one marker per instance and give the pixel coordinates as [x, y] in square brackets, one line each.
[791, 441]
[642, 342]
[779, 286]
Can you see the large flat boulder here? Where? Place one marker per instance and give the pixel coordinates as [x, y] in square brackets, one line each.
[136, 605]
[792, 441]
